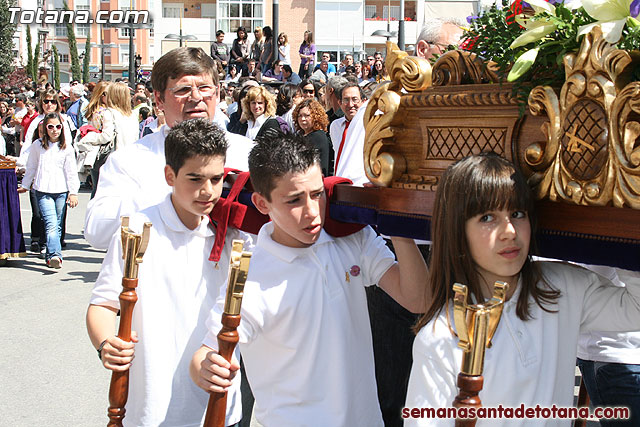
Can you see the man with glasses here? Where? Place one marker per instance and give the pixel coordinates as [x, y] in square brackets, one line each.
[436, 36]
[326, 56]
[185, 87]
[347, 137]
[371, 60]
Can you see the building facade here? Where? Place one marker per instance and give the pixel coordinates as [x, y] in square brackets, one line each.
[340, 27]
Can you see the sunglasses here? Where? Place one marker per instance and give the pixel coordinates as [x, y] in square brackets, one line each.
[49, 101]
[51, 127]
[309, 91]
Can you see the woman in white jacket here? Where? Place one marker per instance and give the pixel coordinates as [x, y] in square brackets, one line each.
[117, 125]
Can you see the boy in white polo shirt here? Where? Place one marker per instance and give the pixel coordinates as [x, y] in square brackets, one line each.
[305, 335]
[177, 286]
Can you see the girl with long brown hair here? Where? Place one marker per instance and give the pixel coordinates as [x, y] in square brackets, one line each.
[482, 229]
[51, 171]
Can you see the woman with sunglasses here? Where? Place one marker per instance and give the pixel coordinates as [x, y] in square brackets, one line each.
[51, 173]
[308, 89]
[48, 102]
[381, 71]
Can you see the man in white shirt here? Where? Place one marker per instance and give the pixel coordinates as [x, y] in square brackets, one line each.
[347, 135]
[185, 87]
[177, 286]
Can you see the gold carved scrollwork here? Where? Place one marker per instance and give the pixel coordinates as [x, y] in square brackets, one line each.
[458, 67]
[381, 163]
[591, 155]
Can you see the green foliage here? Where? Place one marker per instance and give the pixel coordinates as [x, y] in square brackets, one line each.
[491, 34]
[76, 73]
[36, 62]
[86, 60]
[29, 68]
[56, 69]
[6, 39]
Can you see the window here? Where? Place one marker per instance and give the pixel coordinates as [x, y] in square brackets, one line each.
[63, 57]
[395, 13]
[245, 13]
[82, 5]
[124, 32]
[124, 54]
[171, 10]
[82, 30]
[42, 38]
[61, 30]
[151, 54]
[370, 11]
[208, 10]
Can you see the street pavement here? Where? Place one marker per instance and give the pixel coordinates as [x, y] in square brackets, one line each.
[50, 374]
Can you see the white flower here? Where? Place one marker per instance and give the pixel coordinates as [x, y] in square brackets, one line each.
[522, 64]
[611, 15]
[536, 29]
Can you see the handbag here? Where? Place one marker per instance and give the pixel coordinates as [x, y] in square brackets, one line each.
[105, 150]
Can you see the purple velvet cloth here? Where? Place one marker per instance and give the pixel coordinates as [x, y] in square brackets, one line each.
[11, 238]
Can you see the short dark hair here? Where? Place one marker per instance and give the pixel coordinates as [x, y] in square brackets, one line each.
[348, 85]
[182, 61]
[287, 68]
[219, 32]
[191, 138]
[277, 154]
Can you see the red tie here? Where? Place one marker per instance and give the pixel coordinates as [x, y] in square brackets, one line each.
[344, 135]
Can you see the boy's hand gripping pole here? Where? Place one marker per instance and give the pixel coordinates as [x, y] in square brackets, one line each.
[475, 325]
[133, 248]
[228, 335]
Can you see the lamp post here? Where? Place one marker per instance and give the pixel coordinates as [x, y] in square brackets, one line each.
[401, 26]
[180, 37]
[102, 46]
[81, 58]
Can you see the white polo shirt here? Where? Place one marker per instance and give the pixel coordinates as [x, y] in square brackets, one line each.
[530, 362]
[177, 288]
[133, 179]
[305, 336]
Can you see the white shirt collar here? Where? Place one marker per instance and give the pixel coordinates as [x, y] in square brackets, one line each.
[258, 122]
[287, 253]
[173, 222]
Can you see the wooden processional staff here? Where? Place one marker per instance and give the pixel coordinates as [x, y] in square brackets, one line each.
[133, 248]
[228, 335]
[475, 325]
